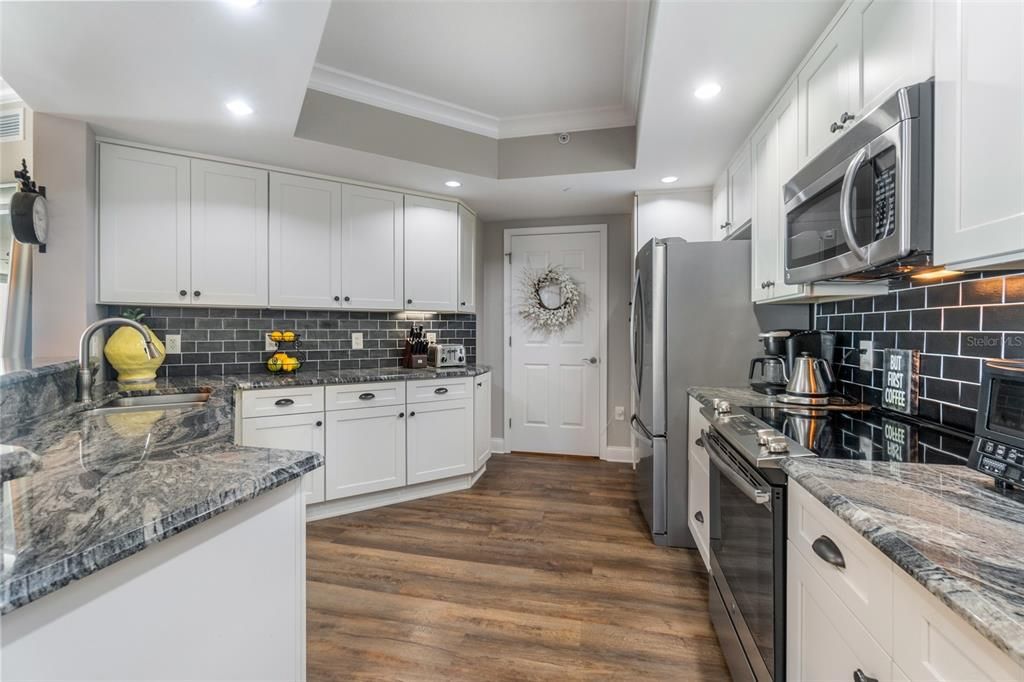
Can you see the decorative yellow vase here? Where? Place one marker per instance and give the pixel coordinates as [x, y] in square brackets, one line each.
[126, 352]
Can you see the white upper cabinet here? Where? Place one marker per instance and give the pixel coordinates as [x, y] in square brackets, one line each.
[741, 189]
[829, 88]
[143, 227]
[979, 134]
[467, 260]
[431, 254]
[720, 207]
[229, 234]
[896, 46]
[372, 248]
[305, 242]
[766, 227]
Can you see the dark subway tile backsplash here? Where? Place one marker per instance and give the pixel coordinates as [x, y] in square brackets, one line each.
[231, 341]
[956, 324]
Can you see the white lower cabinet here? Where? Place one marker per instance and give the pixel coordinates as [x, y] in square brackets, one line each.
[481, 420]
[698, 517]
[824, 639]
[439, 440]
[291, 432]
[365, 451]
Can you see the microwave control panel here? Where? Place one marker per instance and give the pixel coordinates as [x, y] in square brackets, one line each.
[885, 202]
[999, 460]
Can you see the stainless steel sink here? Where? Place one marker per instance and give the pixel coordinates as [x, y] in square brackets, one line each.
[142, 403]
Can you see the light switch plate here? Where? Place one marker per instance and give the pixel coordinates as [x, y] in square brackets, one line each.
[357, 340]
[268, 344]
[431, 337]
[867, 355]
[620, 413]
[172, 343]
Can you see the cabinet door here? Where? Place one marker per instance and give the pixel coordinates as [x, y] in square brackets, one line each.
[431, 254]
[229, 234]
[823, 639]
[365, 451]
[482, 421]
[720, 207]
[143, 226]
[740, 189]
[896, 47]
[291, 432]
[788, 152]
[829, 87]
[979, 139]
[467, 261]
[764, 231]
[699, 500]
[305, 242]
[440, 440]
[372, 250]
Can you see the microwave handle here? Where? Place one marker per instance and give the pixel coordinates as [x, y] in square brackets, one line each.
[845, 207]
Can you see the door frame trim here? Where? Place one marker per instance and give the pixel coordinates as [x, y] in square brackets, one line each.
[602, 230]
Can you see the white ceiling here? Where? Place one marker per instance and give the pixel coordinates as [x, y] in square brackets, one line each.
[160, 72]
[493, 67]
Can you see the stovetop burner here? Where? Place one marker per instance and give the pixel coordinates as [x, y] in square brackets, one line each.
[873, 435]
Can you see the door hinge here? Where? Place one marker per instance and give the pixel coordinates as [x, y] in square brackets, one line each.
[510, 422]
[510, 342]
[509, 256]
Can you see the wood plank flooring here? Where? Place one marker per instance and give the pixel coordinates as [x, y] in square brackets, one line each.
[543, 571]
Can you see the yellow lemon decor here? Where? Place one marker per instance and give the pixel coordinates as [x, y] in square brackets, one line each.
[126, 352]
[290, 364]
[276, 335]
[288, 336]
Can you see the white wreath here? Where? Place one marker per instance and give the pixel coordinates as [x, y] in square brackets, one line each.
[536, 312]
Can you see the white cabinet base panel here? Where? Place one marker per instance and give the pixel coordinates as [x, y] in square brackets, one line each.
[349, 505]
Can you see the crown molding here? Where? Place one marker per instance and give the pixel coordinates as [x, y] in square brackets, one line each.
[375, 93]
[637, 18]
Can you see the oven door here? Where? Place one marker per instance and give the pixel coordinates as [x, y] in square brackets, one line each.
[748, 561]
[853, 216]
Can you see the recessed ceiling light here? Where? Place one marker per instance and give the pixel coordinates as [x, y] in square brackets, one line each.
[239, 107]
[707, 90]
[453, 183]
[244, 4]
[669, 179]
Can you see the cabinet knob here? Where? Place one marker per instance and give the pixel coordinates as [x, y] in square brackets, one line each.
[771, 283]
[859, 676]
[728, 224]
[835, 127]
[846, 116]
[412, 414]
[401, 414]
[699, 517]
[408, 300]
[319, 423]
[463, 303]
[347, 299]
[197, 293]
[337, 298]
[183, 292]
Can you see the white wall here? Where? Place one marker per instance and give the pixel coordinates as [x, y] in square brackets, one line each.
[682, 213]
[490, 348]
[64, 278]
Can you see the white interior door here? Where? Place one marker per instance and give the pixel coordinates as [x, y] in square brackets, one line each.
[555, 378]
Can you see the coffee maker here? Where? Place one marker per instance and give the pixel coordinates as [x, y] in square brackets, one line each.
[769, 373]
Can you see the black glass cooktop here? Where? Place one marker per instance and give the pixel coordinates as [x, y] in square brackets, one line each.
[874, 435]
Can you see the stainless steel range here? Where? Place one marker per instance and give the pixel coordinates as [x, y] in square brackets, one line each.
[745, 447]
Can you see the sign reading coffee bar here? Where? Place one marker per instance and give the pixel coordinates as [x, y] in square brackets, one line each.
[900, 379]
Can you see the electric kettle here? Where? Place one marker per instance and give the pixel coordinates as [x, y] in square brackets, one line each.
[809, 382]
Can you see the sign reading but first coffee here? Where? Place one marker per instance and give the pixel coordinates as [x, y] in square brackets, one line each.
[900, 380]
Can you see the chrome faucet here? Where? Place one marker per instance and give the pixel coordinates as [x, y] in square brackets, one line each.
[84, 373]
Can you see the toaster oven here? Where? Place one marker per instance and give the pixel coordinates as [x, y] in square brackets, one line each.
[999, 430]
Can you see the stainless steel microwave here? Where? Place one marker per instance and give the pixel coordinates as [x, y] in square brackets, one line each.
[862, 208]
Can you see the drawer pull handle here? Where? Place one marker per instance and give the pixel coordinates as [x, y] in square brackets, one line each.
[441, 391]
[699, 442]
[828, 552]
[366, 396]
[284, 402]
[699, 517]
[859, 676]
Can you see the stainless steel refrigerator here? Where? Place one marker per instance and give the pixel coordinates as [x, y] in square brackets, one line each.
[692, 324]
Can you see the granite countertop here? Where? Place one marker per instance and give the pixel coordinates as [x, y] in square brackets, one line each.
[945, 525]
[84, 490]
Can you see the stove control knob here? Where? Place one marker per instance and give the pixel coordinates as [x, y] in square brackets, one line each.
[778, 445]
[722, 406]
[763, 435]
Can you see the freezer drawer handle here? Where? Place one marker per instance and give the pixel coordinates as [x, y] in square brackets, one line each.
[859, 676]
[284, 402]
[441, 391]
[366, 396]
[640, 430]
[827, 550]
[699, 517]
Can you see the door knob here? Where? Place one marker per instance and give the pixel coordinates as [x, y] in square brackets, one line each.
[590, 361]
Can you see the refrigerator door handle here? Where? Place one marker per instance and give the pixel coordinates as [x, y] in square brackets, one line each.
[640, 430]
[636, 325]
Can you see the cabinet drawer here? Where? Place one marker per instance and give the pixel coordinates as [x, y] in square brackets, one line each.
[698, 518]
[865, 584]
[349, 396]
[933, 643]
[275, 401]
[824, 641]
[431, 390]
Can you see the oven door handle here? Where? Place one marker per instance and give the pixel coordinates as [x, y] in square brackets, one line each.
[845, 207]
[756, 494]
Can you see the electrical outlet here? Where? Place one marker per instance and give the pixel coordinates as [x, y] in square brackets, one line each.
[431, 337]
[867, 447]
[357, 340]
[620, 413]
[172, 343]
[867, 355]
[268, 344]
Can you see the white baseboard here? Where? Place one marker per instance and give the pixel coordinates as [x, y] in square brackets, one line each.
[498, 445]
[349, 505]
[617, 453]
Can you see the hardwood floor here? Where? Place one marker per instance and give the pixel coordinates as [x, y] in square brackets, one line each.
[542, 571]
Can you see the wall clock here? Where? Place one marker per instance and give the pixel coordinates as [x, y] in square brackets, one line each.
[29, 221]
